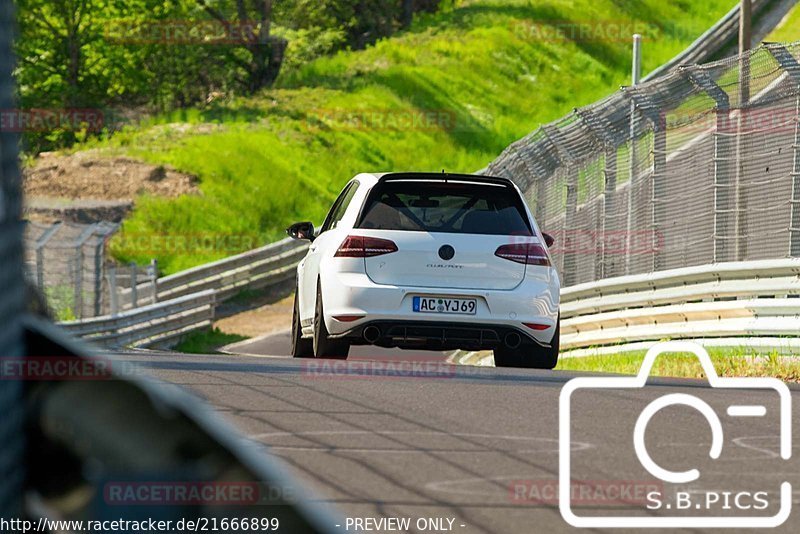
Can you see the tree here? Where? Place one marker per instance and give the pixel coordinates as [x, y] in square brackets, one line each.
[265, 50]
[54, 38]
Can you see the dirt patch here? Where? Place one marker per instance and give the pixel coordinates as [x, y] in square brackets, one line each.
[87, 175]
[267, 319]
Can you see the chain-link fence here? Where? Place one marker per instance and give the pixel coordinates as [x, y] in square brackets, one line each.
[69, 265]
[699, 166]
[66, 262]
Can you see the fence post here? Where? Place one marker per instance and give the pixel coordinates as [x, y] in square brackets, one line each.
[606, 135]
[85, 235]
[636, 76]
[40, 244]
[644, 104]
[134, 286]
[112, 288]
[98, 278]
[553, 136]
[792, 67]
[794, 224]
[658, 191]
[725, 197]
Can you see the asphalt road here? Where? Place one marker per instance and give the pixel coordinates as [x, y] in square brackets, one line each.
[279, 345]
[420, 438]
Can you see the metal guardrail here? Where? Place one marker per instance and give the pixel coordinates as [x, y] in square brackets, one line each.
[186, 301]
[148, 325]
[754, 298]
[254, 269]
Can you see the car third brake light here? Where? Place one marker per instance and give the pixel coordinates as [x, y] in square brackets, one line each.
[356, 246]
[526, 253]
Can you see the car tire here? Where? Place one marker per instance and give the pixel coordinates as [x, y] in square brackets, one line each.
[528, 357]
[301, 348]
[324, 347]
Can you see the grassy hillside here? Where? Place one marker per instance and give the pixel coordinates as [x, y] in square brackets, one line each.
[486, 72]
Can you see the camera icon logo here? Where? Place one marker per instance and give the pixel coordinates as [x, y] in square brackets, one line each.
[651, 466]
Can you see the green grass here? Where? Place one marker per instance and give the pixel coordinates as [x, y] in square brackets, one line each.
[207, 341]
[730, 362]
[267, 161]
[789, 29]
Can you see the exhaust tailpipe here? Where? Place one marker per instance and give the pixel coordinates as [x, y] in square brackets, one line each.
[512, 340]
[371, 334]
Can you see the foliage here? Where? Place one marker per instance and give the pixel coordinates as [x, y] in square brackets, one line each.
[157, 55]
[61, 301]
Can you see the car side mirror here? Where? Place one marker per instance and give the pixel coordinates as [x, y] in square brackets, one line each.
[548, 239]
[301, 230]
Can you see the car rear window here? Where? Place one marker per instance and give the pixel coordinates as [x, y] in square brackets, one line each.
[456, 207]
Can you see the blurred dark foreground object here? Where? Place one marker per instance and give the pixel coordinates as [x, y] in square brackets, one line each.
[101, 446]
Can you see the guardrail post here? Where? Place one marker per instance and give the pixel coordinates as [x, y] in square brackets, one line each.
[134, 285]
[792, 67]
[726, 227]
[213, 307]
[154, 279]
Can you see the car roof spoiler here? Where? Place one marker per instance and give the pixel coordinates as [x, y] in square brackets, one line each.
[476, 178]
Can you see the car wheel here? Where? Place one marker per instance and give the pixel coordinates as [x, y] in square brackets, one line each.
[301, 348]
[530, 357]
[324, 347]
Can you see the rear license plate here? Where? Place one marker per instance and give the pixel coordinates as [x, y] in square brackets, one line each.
[445, 305]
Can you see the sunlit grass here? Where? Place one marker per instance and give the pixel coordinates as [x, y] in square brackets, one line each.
[729, 362]
[788, 30]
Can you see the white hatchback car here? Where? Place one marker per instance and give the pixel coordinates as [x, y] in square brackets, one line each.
[428, 261]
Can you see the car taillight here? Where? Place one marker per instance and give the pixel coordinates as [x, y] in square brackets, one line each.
[537, 326]
[356, 246]
[527, 253]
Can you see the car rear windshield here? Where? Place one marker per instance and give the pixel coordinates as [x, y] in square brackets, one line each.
[456, 207]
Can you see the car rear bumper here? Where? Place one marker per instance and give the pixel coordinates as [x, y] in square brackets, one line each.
[362, 302]
[438, 335]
